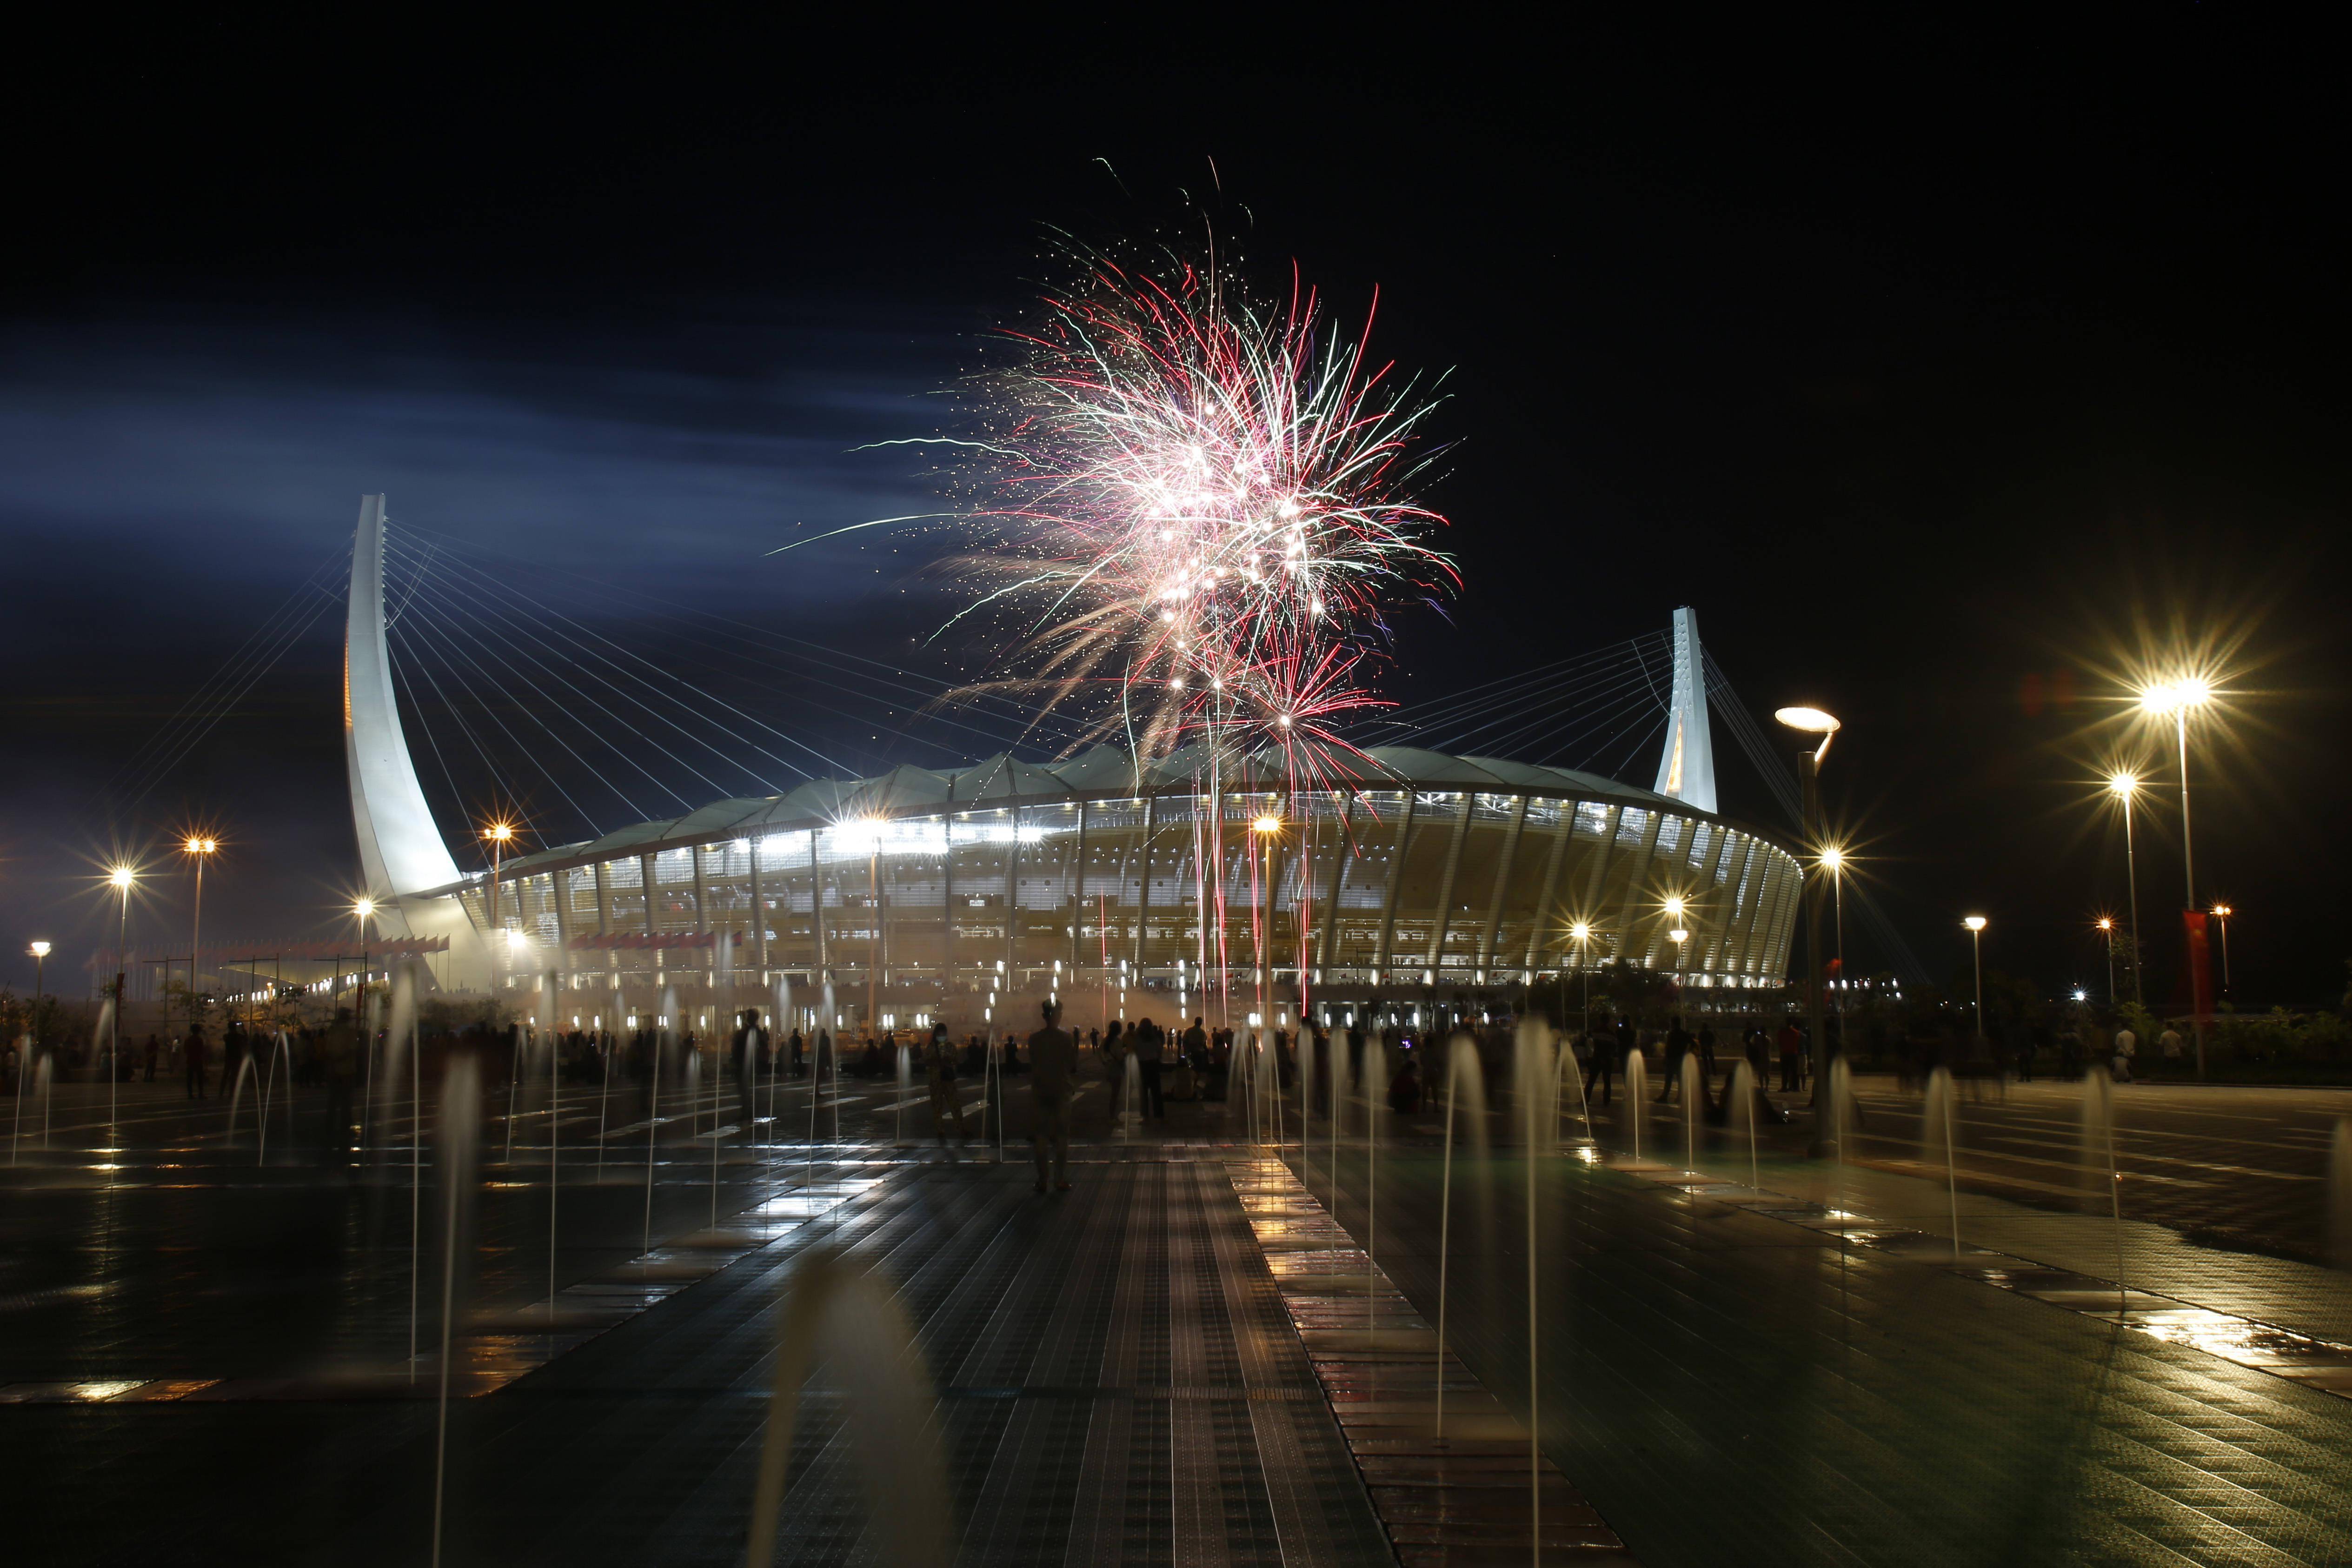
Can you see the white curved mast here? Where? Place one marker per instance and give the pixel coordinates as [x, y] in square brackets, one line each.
[401, 850]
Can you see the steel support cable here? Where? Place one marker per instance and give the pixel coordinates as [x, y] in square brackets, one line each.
[496, 628]
[530, 755]
[253, 659]
[1554, 672]
[767, 638]
[1581, 742]
[450, 620]
[158, 771]
[1554, 733]
[1536, 710]
[706, 697]
[592, 637]
[1492, 694]
[453, 606]
[540, 718]
[735, 736]
[442, 696]
[400, 673]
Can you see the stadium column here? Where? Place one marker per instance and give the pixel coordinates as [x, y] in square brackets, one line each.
[824, 972]
[1012, 899]
[559, 889]
[1278, 867]
[1738, 851]
[702, 915]
[1708, 881]
[1143, 883]
[1502, 889]
[1443, 923]
[1078, 890]
[1771, 898]
[1635, 877]
[1596, 879]
[1388, 896]
[611, 970]
[947, 904]
[758, 910]
[1552, 863]
[1339, 880]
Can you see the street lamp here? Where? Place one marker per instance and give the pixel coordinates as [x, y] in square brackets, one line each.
[2125, 787]
[1267, 828]
[1834, 858]
[365, 909]
[1583, 933]
[196, 850]
[2178, 699]
[40, 952]
[500, 834]
[122, 876]
[1813, 722]
[2221, 914]
[1976, 924]
[2107, 940]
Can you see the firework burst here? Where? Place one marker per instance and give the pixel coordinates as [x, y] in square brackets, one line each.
[1200, 509]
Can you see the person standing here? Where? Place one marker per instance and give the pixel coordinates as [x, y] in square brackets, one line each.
[1792, 1056]
[1053, 1067]
[938, 1060]
[1678, 1045]
[1148, 1051]
[193, 1053]
[2127, 1047]
[2169, 1043]
[152, 1049]
[1602, 1069]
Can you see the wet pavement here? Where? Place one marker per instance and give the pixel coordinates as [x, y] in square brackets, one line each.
[206, 1357]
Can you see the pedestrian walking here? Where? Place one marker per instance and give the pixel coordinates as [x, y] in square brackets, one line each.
[1053, 1065]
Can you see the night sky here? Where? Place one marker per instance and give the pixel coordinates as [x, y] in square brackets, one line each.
[1955, 376]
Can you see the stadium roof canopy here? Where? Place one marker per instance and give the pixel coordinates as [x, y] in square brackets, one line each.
[1101, 773]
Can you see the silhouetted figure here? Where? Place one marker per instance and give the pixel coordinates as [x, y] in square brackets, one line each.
[1053, 1065]
[193, 1052]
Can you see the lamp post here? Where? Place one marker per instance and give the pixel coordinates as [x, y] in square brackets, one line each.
[2125, 787]
[365, 909]
[2177, 699]
[1582, 932]
[500, 834]
[40, 952]
[1834, 858]
[197, 850]
[2221, 914]
[1268, 828]
[1976, 924]
[122, 876]
[1813, 722]
[2107, 941]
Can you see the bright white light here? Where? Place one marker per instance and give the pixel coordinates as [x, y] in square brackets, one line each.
[1812, 720]
[1974, 922]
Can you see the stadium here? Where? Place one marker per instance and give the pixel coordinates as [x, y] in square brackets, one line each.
[1396, 875]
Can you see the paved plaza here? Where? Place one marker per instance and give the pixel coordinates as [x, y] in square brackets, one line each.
[1209, 1350]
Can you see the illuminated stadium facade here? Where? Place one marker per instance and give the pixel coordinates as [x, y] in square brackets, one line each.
[1395, 874]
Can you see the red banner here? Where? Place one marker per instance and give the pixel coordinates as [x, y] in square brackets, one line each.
[2201, 964]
